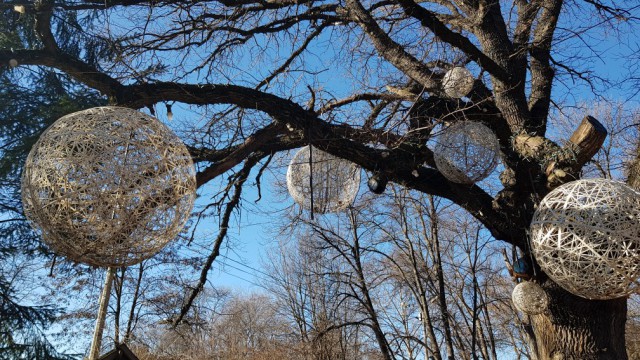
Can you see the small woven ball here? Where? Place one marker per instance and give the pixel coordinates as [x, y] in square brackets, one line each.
[530, 298]
[377, 183]
[457, 82]
[335, 181]
[586, 236]
[108, 186]
[467, 152]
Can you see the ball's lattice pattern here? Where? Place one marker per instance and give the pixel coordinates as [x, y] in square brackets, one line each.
[467, 152]
[335, 181]
[457, 82]
[108, 186]
[586, 236]
[530, 298]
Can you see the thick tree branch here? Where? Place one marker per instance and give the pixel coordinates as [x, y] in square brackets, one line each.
[398, 161]
[584, 143]
[77, 69]
[431, 22]
[255, 142]
[44, 11]
[563, 164]
[391, 50]
[509, 92]
[541, 71]
[527, 11]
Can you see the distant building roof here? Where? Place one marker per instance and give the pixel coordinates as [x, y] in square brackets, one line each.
[121, 352]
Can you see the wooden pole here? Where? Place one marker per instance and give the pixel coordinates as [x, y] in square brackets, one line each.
[102, 314]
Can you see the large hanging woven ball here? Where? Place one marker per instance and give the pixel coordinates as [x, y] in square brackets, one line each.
[108, 186]
[334, 181]
[530, 298]
[457, 82]
[586, 236]
[466, 152]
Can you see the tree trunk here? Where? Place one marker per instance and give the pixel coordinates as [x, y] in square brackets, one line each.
[574, 328]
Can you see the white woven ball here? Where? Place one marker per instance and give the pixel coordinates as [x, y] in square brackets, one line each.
[108, 186]
[586, 236]
[335, 181]
[530, 298]
[466, 152]
[457, 82]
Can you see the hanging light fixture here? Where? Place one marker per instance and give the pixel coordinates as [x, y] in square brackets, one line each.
[377, 183]
[169, 112]
[321, 182]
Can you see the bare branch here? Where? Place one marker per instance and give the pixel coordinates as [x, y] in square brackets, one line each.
[391, 50]
[430, 21]
[238, 180]
[541, 71]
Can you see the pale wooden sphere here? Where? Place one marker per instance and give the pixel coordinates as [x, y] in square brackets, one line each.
[466, 152]
[108, 186]
[335, 181]
[457, 82]
[530, 298]
[586, 236]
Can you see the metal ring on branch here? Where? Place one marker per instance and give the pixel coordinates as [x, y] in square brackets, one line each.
[335, 181]
[466, 152]
[108, 186]
[586, 236]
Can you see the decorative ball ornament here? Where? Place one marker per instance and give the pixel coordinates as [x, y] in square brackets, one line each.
[335, 181]
[530, 298]
[13, 63]
[108, 186]
[586, 236]
[377, 183]
[467, 152]
[457, 82]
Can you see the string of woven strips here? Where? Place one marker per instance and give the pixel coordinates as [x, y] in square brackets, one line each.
[586, 236]
[108, 186]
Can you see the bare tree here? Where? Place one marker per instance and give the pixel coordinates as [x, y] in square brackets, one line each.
[240, 327]
[311, 289]
[454, 276]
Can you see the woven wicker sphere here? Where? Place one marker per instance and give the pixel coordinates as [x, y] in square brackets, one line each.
[335, 181]
[467, 152]
[108, 186]
[530, 298]
[457, 82]
[586, 236]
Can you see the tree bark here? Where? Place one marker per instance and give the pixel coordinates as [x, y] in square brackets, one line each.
[574, 328]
